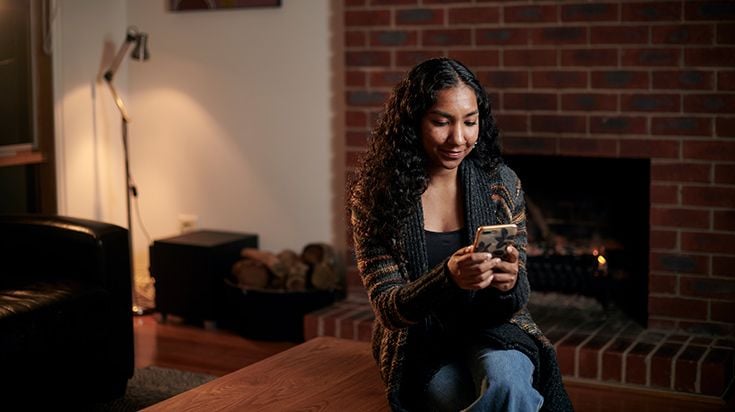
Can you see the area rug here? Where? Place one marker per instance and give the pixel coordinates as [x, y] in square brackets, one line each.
[151, 385]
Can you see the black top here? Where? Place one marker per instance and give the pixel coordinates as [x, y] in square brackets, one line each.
[440, 245]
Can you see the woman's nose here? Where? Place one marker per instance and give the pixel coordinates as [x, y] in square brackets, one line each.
[457, 135]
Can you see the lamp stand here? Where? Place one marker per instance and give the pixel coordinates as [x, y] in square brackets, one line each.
[132, 36]
[130, 188]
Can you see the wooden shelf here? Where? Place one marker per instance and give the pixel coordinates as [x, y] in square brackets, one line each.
[21, 157]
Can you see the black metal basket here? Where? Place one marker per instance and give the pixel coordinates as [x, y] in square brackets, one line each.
[573, 274]
[273, 314]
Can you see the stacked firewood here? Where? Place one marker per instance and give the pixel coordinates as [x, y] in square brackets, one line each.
[315, 268]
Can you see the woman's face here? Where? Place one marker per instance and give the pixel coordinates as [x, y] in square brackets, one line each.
[450, 128]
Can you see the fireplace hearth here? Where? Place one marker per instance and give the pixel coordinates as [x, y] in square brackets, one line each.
[592, 344]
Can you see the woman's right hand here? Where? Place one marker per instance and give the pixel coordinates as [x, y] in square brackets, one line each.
[470, 270]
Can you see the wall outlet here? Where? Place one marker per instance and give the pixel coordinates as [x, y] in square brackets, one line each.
[187, 222]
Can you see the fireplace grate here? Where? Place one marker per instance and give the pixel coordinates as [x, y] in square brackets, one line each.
[574, 274]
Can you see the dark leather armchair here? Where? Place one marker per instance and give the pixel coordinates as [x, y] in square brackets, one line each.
[66, 330]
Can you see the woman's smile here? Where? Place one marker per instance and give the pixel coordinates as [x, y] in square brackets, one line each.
[452, 153]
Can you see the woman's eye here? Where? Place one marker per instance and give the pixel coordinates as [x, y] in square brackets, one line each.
[470, 122]
[439, 123]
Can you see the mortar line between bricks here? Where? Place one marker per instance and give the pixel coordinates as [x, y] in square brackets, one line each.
[604, 348]
[672, 384]
[649, 357]
[334, 319]
[319, 326]
[552, 328]
[338, 320]
[576, 350]
[698, 379]
[624, 360]
[556, 345]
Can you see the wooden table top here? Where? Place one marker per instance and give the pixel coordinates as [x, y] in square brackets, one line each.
[322, 374]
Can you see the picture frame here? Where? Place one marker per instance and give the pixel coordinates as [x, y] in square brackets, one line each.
[198, 5]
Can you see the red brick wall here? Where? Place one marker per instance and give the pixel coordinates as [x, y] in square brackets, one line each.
[653, 79]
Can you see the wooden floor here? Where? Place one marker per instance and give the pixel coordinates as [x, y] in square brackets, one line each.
[195, 349]
[218, 352]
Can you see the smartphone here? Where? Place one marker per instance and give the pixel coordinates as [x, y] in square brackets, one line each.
[494, 239]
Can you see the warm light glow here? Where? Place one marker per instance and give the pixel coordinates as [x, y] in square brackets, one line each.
[601, 260]
[137, 310]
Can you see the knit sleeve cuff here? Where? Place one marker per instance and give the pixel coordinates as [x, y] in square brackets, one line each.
[428, 290]
[517, 297]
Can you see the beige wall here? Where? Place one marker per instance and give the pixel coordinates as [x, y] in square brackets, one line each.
[232, 120]
[88, 148]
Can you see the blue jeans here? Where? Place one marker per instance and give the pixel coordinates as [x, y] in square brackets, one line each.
[492, 380]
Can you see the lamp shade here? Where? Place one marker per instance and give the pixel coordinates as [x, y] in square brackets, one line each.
[140, 52]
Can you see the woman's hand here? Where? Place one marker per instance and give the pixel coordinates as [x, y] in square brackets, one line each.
[474, 271]
[471, 270]
[505, 272]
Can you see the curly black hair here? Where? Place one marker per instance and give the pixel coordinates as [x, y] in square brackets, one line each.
[392, 174]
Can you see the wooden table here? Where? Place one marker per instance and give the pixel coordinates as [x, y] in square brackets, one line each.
[322, 374]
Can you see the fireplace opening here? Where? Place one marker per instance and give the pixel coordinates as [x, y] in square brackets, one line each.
[588, 228]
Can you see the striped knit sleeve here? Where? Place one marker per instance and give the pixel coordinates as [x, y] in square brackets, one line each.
[517, 297]
[397, 303]
[510, 206]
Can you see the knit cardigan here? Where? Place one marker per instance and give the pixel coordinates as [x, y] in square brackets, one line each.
[402, 289]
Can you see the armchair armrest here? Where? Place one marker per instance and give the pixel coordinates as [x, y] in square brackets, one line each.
[58, 247]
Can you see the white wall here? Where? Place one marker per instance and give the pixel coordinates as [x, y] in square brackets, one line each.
[232, 120]
[88, 149]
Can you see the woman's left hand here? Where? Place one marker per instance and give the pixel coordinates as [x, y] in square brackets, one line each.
[506, 271]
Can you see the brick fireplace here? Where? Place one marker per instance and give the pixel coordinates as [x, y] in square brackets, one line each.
[652, 81]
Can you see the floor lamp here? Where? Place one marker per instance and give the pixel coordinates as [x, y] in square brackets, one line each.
[140, 52]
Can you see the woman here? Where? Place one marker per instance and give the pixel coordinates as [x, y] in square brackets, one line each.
[451, 331]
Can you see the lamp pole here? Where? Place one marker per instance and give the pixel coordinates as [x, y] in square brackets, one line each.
[140, 52]
[130, 189]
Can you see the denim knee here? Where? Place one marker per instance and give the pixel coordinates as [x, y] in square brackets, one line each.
[450, 389]
[504, 381]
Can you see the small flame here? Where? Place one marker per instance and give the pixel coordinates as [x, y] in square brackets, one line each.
[601, 260]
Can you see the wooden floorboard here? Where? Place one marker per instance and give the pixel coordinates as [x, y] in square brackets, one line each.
[218, 352]
[192, 348]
